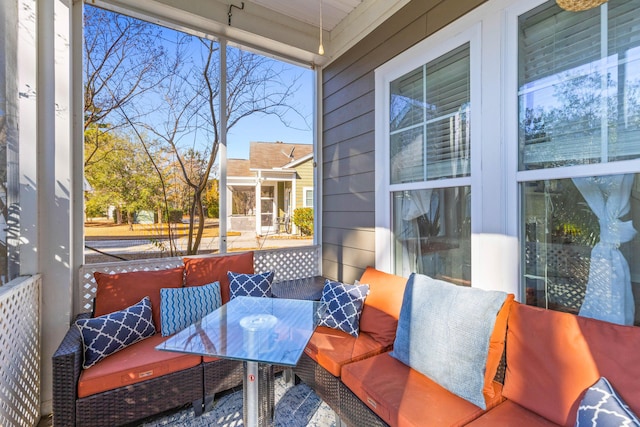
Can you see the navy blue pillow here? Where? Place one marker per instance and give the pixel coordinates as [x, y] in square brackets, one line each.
[343, 305]
[250, 285]
[602, 407]
[105, 335]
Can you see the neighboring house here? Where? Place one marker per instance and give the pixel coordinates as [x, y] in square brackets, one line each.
[264, 190]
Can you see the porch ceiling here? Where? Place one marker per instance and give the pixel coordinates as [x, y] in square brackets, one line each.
[287, 28]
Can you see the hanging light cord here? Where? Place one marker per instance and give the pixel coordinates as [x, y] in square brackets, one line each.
[321, 47]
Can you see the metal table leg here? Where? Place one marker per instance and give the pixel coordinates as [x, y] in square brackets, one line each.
[258, 394]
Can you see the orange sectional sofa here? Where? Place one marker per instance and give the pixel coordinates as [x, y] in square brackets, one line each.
[139, 381]
[364, 385]
[551, 359]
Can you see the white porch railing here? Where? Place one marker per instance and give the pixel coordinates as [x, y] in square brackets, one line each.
[20, 352]
[287, 263]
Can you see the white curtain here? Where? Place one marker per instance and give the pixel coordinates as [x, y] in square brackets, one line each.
[415, 203]
[609, 296]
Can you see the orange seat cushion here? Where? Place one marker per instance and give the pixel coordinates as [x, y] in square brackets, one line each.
[402, 396]
[382, 306]
[510, 413]
[553, 357]
[136, 363]
[332, 349]
[119, 291]
[204, 270]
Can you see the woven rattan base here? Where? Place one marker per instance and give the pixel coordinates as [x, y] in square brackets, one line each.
[320, 380]
[126, 404]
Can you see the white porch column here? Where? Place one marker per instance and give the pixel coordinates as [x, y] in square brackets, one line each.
[50, 174]
[259, 203]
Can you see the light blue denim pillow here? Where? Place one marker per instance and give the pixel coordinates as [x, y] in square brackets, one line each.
[182, 307]
[444, 331]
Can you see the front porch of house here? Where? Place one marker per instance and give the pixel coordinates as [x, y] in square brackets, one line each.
[490, 143]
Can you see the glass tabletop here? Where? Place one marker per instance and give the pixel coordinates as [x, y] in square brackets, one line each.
[267, 330]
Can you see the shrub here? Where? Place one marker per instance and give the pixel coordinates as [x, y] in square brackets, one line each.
[303, 219]
[175, 216]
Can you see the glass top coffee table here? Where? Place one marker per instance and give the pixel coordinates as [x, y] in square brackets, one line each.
[259, 331]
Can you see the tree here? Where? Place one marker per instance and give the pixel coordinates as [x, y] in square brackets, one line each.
[166, 85]
[121, 63]
[212, 199]
[190, 111]
[124, 178]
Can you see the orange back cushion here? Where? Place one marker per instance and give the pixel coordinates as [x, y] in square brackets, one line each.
[118, 291]
[382, 306]
[553, 357]
[204, 270]
[496, 348]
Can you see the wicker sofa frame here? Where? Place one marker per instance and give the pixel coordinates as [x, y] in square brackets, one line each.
[195, 386]
[122, 405]
[351, 411]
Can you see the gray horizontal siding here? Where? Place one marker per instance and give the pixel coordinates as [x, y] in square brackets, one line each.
[349, 111]
[342, 258]
[349, 184]
[360, 144]
[361, 202]
[349, 130]
[339, 271]
[354, 238]
[353, 165]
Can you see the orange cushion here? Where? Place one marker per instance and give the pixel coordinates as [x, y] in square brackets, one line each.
[510, 413]
[136, 363]
[332, 349]
[118, 291]
[553, 357]
[402, 396]
[496, 347]
[382, 306]
[204, 270]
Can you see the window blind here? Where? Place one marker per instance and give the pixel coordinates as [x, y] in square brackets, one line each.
[578, 100]
[429, 120]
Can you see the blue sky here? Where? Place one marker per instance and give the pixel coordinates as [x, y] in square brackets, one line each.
[256, 127]
[269, 128]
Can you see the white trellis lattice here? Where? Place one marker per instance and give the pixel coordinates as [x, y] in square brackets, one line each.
[287, 263]
[20, 354]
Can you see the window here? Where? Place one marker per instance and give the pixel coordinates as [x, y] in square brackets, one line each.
[425, 157]
[308, 197]
[579, 104]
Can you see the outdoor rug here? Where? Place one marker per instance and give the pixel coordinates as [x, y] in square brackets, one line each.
[296, 406]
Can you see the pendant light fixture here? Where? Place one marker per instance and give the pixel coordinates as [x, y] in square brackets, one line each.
[579, 5]
[321, 47]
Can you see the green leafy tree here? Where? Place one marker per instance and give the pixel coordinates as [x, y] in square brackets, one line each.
[124, 178]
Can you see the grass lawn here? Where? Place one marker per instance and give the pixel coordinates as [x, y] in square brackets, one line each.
[106, 229]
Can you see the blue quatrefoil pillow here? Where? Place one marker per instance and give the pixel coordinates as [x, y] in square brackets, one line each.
[602, 407]
[105, 335]
[250, 285]
[342, 306]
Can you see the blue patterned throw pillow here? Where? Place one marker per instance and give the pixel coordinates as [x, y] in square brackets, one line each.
[250, 285]
[182, 307]
[602, 407]
[343, 305]
[105, 335]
